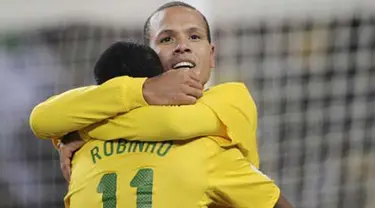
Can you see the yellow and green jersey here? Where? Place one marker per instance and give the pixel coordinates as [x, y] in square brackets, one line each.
[173, 174]
[219, 167]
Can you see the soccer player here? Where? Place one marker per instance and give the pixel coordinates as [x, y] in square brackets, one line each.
[230, 179]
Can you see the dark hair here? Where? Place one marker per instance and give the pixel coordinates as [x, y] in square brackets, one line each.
[146, 27]
[127, 59]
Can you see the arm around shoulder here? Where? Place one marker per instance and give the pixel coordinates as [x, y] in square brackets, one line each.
[81, 107]
[159, 123]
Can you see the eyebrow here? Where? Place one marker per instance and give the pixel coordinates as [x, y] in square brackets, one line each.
[190, 29]
[166, 31]
[195, 29]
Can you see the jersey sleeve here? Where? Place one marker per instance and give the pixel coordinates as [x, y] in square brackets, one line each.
[234, 182]
[158, 123]
[235, 107]
[81, 107]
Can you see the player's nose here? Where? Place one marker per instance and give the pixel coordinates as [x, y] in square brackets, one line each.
[182, 47]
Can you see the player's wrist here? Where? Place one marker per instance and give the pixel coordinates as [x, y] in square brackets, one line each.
[147, 92]
[135, 93]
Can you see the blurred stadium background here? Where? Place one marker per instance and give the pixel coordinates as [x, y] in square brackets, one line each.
[310, 66]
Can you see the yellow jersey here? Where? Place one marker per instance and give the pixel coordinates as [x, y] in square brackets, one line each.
[173, 174]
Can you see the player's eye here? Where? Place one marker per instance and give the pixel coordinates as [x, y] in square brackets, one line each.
[195, 37]
[166, 40]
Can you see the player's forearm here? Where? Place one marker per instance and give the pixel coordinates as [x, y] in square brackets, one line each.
[212, 115]
[159, 123]
[82, 107]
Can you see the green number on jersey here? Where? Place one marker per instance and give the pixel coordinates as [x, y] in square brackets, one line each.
[143, 181]
[107, 186]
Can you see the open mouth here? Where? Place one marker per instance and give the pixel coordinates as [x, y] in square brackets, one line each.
[183, 64]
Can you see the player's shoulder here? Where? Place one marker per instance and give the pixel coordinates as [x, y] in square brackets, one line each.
[230, 85]
[229, 88]
[83, 88]
[75, 90]
[235, 93]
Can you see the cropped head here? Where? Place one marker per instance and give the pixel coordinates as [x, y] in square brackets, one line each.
[127, 59]
[180, 35]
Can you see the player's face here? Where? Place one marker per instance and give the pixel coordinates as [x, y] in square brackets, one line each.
[179, 36]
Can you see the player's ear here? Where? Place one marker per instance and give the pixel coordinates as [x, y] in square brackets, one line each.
[212, 55]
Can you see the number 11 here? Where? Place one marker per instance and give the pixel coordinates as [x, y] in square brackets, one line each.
[143, 181]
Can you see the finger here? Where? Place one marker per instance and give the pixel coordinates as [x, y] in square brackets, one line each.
[194, 74]
[68, 163]
[67, 169]
[66, 175]
[184, 100]
[69, 172]
[67, 153]
[65, 162]
[64, 172]
[195, 84]
[189, 74]
[197, 93]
